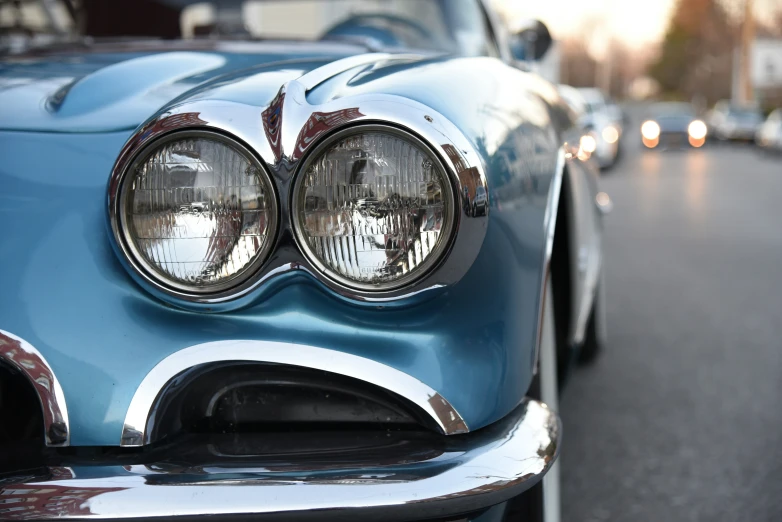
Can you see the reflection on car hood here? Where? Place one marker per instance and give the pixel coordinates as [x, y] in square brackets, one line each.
[110, 87]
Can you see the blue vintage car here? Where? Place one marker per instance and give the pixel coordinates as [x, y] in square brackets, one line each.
[328, 262]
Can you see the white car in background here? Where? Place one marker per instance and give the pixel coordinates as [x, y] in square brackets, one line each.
[601, 120]
[769, 135]
[729, 122]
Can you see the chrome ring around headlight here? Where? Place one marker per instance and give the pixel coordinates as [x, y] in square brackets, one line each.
[232, 249]
[394, 202]
[281, 150]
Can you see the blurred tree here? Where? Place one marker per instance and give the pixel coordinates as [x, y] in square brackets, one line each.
[580, 67]
[696, 55]
[577, 67]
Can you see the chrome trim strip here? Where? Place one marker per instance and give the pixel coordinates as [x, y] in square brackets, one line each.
[135, 432]
[317, 76]
[549, 227]
[462, 474]
[22, 356]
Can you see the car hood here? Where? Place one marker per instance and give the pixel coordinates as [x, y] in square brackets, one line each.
[112, 87]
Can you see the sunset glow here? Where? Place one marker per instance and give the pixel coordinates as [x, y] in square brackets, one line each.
[636, 23]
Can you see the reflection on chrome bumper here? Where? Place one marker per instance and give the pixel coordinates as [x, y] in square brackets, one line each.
[405, 480]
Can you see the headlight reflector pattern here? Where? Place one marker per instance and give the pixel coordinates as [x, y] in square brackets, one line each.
[373, 208]
[198, 212]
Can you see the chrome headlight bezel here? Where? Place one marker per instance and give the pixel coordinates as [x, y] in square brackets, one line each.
[279, 156]
[431, 263]
[118, 200]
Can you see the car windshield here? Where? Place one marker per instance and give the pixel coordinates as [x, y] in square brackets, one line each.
[452, 26]
[672, 113]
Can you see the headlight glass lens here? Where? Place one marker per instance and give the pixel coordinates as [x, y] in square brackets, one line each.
[198, 212]
[373, 209]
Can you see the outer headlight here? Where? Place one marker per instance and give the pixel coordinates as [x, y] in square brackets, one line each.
[196, 212]
[373, 208]
[588, 143]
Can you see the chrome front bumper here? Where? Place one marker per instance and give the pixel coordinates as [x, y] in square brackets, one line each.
[391, 478]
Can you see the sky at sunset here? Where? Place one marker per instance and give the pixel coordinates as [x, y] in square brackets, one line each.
[636, 22]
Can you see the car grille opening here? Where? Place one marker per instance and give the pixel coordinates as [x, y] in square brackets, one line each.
[263, 398]
[21, 422]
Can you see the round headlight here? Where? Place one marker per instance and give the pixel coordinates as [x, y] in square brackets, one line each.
[373, 208]
[650, 130]
[610, 134]
[697, 130]
[197, 212]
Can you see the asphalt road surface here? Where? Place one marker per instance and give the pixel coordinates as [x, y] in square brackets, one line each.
[681, 417]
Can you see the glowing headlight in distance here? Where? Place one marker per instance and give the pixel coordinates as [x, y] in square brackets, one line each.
[588, 143]
[198, 212]
[697, 130]
[373, 208]
[610, 134]
[650, 130]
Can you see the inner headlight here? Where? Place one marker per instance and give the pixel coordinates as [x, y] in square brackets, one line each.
[697, 130]
[373, 208]
[650, 130]
[197, 212]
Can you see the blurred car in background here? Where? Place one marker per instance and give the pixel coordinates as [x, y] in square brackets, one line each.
[673, 125]
[599, 122]
[606, 121]
[729, 122]
[587, 142]
[769, 135]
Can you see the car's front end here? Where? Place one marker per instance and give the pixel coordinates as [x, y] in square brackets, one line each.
[310, 288]
[673, 131]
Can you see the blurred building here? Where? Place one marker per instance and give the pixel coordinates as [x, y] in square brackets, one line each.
[766, 71]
